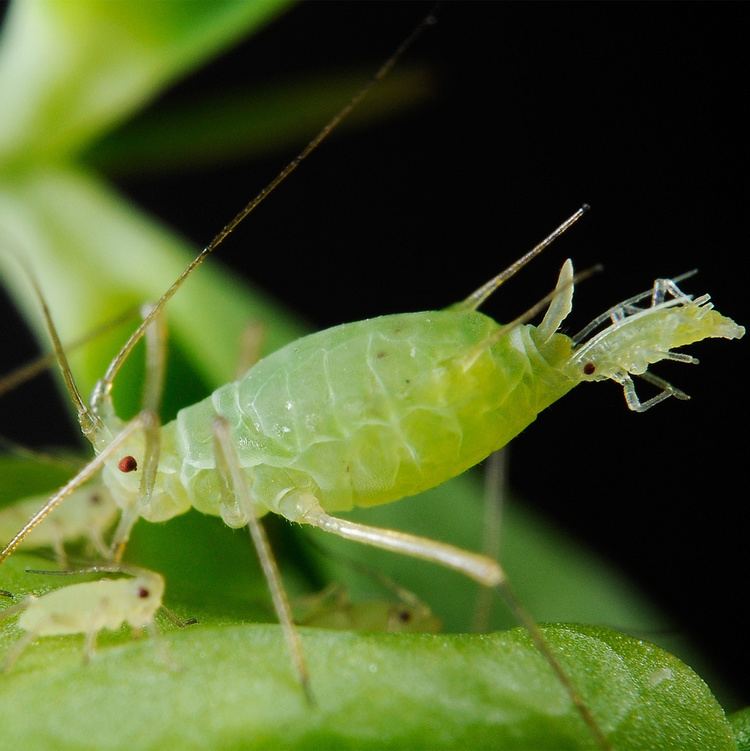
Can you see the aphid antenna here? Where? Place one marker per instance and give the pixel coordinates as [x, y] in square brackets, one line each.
[106, 568]
[31, 369]
[175, 619]
[528, 314]
[102, 392]
[476, 298]
[87, 419]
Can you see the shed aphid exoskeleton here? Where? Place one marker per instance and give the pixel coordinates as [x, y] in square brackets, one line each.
[88, 608]
[88, 514]
[360, 414]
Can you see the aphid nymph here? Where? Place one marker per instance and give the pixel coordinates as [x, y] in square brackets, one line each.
[88, 608]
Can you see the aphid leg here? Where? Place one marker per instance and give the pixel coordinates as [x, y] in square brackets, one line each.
[631, 398]
[5, 593]
[251, 344]
[494, 498]
[11, 658]
[237, 500]
[89, 645]
[664, 286]
[58, 548]
[304, 508]
[100, 546]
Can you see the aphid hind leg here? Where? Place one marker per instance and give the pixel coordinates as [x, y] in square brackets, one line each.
[495, 473]
[237, 500]
[305, 508]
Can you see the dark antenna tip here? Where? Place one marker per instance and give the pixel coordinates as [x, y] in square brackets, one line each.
[586, 207]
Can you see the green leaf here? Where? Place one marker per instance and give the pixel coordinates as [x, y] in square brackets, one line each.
[740, 722]
[231, 687]
[71, 70]
[244, 124]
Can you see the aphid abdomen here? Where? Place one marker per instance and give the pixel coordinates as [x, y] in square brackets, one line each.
[370, 412]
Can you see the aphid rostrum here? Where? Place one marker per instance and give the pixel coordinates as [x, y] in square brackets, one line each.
[364, 414]
[88, 608]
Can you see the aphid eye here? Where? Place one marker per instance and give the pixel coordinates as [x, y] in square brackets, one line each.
[589, 368]
[127, 464]
[143, 592]
[404, 616]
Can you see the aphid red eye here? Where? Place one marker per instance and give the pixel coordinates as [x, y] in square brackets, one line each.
[404, 616]
[127, 464]
[589, 368]
[143, 592]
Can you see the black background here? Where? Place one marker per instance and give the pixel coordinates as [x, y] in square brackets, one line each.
[635, 108]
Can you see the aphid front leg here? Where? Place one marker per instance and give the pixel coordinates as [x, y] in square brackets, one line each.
[236, 506]
[156, 356]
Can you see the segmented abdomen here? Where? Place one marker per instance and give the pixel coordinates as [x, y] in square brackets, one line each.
[369, 412]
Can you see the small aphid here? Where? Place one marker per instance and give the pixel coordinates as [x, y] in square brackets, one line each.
[87, 515]
[88, 608]
[333, 608]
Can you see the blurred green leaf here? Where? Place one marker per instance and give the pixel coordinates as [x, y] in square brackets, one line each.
[242, 124]
[71, 70]
[740, 722]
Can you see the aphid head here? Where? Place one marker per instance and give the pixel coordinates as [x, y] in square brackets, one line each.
[638, 336]
[123, 476]
[147, 591]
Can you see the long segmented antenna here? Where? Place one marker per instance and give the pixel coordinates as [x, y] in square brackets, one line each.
[527, 315]
[87, 418]
[30, 370]
[104, 386]
[476, 298]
